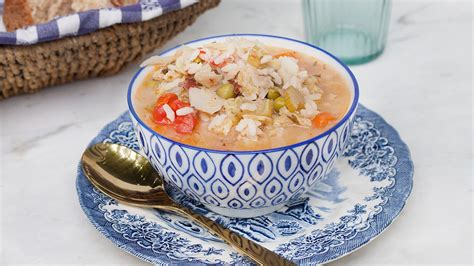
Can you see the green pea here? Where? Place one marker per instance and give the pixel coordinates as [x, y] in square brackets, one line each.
[278, 103]
[273, 93]
[226, 91]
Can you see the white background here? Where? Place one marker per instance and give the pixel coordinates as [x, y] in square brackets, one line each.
[422, 85]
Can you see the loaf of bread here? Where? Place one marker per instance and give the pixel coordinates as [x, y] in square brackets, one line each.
[21, 13]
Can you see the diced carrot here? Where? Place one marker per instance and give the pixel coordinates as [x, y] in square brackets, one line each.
[177, 104]
[289, 54]
[182, 124]
[166, 98]
[185, 124]
[322, 120]
[159, 116]
[158, 113]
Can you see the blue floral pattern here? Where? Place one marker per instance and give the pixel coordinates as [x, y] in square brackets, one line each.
[147, 234]
[371, 153]
[321, 240]
[322, 226]
[125, 135]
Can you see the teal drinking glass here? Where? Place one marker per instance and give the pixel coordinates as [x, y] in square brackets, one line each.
[353, 30]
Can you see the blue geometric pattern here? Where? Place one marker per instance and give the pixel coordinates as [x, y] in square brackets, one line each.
[327, 222]
[258, 202]
[315, 175]
[204, 166]
[309, 157]
[196, 185]
[178, 159]
[287, 163]
[231, 169]
[158, 150]
[330, 145]
[236, 179]
[260, 168]
[247, 191]
[296, 182]
[219, 189]
[172, 176]
[272, 188]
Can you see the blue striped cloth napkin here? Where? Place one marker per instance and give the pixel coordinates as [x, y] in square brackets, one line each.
[89, 21]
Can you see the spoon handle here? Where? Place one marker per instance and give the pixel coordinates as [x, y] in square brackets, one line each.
[244, 246]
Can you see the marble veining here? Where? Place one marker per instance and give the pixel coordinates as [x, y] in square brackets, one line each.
[28, 144]
[405, 18]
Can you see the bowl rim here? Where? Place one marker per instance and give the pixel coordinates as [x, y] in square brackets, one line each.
[352, 108]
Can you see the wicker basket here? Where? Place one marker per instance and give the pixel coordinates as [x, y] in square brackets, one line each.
[27, 69]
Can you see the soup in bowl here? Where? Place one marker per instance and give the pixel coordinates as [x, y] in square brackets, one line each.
[243, 123]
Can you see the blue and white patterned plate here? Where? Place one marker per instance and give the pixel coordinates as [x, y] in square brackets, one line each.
[359, 198]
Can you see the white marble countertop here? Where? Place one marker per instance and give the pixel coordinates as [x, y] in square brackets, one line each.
[422, 85]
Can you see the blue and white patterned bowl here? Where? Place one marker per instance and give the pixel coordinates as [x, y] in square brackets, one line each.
[247, 183]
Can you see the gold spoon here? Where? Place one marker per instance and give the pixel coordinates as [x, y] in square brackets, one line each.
[128, 177]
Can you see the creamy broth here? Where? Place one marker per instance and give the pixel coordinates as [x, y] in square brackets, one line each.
[335, 99]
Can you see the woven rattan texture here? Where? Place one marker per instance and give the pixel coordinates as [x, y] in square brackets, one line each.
[27, 69]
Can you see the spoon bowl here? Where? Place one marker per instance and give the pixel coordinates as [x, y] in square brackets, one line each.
[125, 175]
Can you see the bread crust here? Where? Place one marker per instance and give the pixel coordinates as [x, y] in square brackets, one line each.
[17, 14]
